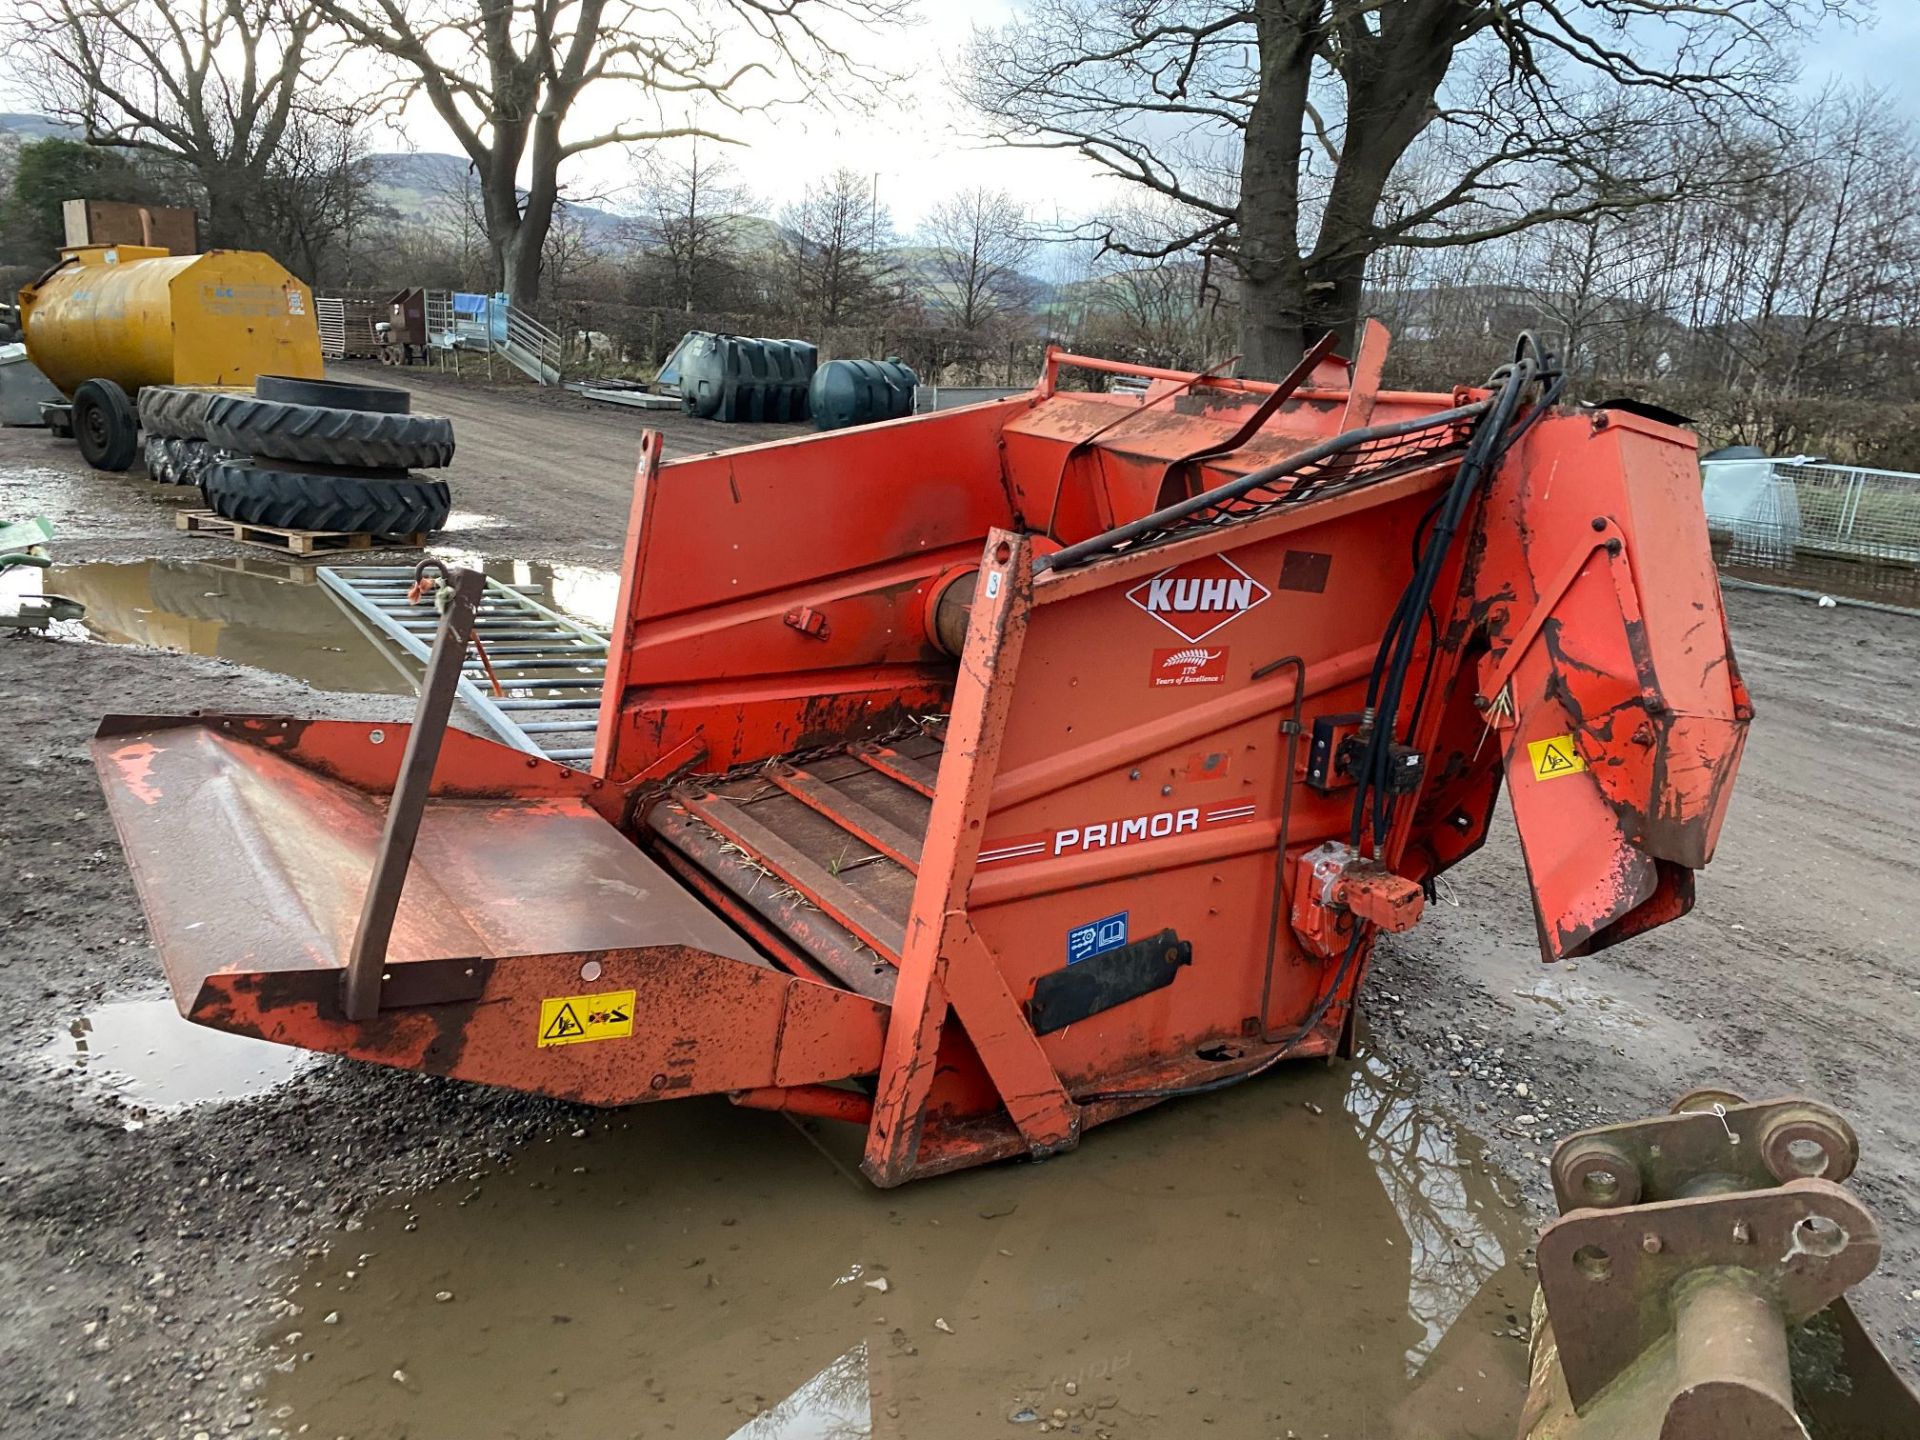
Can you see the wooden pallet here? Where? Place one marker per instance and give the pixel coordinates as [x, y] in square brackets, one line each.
[291, 542]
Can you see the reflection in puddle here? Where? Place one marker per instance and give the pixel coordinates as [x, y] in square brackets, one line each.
[836, 1404]
[271, 614]
[142, 1051]
[276, 615]
[1448, 1204]
[1306, 1252]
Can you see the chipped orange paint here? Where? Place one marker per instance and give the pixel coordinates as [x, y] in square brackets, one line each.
[1583, 607]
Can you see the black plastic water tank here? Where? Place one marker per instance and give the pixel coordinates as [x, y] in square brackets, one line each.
[858, 392]
[736, 377]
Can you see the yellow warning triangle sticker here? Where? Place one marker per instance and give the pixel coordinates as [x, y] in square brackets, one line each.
[565, 1025]
[1554, 757]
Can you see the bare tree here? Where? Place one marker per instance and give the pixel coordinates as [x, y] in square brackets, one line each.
[981, 241]
[693, 215]
[213, 85]
[570, 248]
[834, 249]
[1278, 125]
[506, 76]
[1161, 310]
[315, 196]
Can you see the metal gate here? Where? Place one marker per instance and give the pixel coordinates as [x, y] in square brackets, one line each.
[538, 686]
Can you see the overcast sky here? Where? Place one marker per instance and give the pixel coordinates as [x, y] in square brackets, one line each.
[920, 148]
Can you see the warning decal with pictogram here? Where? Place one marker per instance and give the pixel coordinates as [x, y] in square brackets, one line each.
[573, 1019]
[1554, 757]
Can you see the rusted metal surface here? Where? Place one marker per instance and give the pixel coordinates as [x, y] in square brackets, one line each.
[253, 842]
[1743, 1146]
[1615, 1280]
[1606, 632]
[874, 925]
[850, 813]
[782, 921]
[1689, 1248]
[361, 983]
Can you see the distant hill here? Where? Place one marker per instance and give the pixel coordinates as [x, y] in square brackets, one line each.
[413, 184]
[35, 127]
[424, 186]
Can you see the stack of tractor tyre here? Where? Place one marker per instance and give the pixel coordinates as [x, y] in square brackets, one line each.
[304, 454]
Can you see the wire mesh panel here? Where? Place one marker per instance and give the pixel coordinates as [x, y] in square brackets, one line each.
[1854, 511]
[438, 308]
[1845, 528]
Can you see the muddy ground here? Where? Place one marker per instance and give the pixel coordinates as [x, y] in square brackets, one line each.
[363, 1253]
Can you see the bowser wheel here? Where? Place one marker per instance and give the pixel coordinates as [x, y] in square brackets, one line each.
[105, 426]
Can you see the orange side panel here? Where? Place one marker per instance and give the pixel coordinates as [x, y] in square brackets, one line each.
[1616, 686]
[711, 661]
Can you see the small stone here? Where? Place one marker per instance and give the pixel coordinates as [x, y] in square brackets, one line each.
[1072, 1387]
[942, 1326]
[442, 1296]
[880, 1283]
[1521, 1089]
[332, 1317]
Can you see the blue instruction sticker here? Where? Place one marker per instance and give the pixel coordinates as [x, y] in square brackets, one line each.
[1096, 937]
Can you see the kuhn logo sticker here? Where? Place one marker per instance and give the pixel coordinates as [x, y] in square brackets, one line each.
[1106, 834]
[1195, 599]
[1191, 665]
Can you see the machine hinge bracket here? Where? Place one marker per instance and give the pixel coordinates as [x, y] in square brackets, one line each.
[1606, 537]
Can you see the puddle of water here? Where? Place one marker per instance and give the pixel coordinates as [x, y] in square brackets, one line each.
[277, 616]
[266, 613]
[1308, 1253]
[142, 1051]
[1561, 995]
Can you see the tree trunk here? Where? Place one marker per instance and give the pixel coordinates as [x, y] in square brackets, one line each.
[1272, 337]
[520, 268]
[1272, 292]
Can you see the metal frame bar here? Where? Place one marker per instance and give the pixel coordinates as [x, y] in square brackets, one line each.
[850, 814]
[906, 770]
[360, 985]
[865, 919]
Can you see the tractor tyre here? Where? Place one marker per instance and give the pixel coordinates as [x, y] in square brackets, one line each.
[334, 394]
[174, 411]
[368, 503]
[326, 435]
[105, 426]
